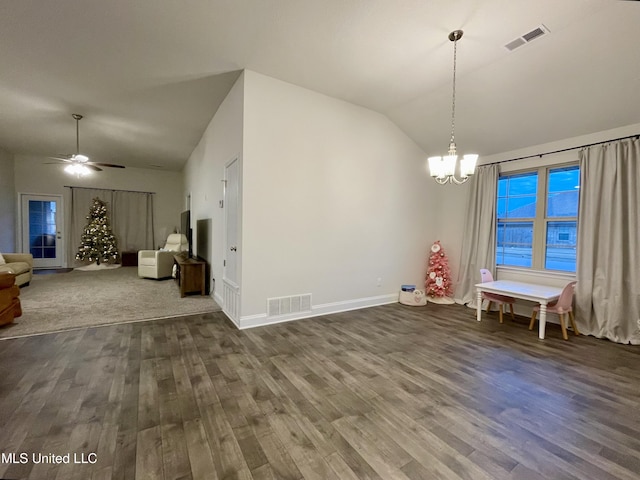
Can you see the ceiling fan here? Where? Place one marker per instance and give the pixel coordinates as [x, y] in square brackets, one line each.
[79, 164]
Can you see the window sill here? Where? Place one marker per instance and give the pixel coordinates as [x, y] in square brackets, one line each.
[535, 276]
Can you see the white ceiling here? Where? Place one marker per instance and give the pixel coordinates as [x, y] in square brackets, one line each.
[148, 75]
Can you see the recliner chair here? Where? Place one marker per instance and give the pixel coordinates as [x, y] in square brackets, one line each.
[159, 263]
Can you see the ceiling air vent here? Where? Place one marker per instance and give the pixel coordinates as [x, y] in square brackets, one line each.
[527, 37]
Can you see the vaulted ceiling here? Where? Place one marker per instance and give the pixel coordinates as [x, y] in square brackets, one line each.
[148, 75]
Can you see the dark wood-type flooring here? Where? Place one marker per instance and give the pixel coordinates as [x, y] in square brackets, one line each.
[390, 392]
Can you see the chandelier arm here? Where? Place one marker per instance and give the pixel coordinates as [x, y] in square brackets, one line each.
[451, 179]
[442, 181]
[458, 182]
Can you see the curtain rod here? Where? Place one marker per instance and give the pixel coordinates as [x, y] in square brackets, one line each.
[109, 189]
[636, 135]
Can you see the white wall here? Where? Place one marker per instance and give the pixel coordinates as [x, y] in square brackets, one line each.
[34, 176]
[335, 198]
[7, 203]
[204, 172]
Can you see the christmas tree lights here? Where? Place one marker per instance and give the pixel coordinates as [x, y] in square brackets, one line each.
[97, 243]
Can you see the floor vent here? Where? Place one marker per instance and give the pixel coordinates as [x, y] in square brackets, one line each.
[527, 37]
[287, 305]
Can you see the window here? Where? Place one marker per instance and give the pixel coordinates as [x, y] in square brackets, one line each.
[562, 219]
[516, 214]
[536, 230]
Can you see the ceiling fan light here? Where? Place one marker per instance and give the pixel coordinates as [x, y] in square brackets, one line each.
[77, 169]
[80, 158]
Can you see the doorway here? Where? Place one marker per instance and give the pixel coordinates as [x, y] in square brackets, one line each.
[231, 282]
[42, 229]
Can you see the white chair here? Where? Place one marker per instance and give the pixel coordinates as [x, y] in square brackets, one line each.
[159, 263]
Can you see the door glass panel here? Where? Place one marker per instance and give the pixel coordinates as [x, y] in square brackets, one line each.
[42, 229]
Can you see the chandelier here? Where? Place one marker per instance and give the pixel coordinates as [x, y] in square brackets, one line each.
[443, 169]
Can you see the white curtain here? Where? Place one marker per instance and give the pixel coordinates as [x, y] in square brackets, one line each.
[608, 267]
[130, 216]
[133, 220]
[479, 242]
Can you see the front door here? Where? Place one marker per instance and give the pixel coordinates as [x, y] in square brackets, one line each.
[42, 229]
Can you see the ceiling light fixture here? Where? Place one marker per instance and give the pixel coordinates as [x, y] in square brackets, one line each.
[77, 169]
[79, 164]
[443, 169]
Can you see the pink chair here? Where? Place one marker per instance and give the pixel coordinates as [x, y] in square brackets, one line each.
[500, 300]
[562, 306]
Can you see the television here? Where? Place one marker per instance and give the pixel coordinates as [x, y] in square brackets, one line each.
[185, 228]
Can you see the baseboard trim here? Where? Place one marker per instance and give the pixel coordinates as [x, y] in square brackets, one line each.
[220, 301]
[218, 298]
[260, 320]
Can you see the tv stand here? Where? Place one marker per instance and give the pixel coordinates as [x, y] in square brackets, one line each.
[190, 274]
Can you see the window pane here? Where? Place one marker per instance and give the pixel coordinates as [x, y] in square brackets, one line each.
[523, 184]
[521, 207]
[517, 195]
[560, 252]
[562, 197]
[502, 186]
[514, 244]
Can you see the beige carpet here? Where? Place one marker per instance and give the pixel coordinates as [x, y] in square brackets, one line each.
[64, 301]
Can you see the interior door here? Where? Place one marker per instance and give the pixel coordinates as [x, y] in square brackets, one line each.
[42, 229]
[231, 223]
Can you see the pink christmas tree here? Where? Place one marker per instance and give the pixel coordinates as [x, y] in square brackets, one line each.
[438, 283]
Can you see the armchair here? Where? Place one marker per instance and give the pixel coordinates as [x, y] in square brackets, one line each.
[20, 264]
[159, 263]
[9, 302]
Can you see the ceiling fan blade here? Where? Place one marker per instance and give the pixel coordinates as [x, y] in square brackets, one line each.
[68, 160]
[92, 167]
[112, 165]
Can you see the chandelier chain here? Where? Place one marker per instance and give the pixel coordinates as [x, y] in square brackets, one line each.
[452, 143]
